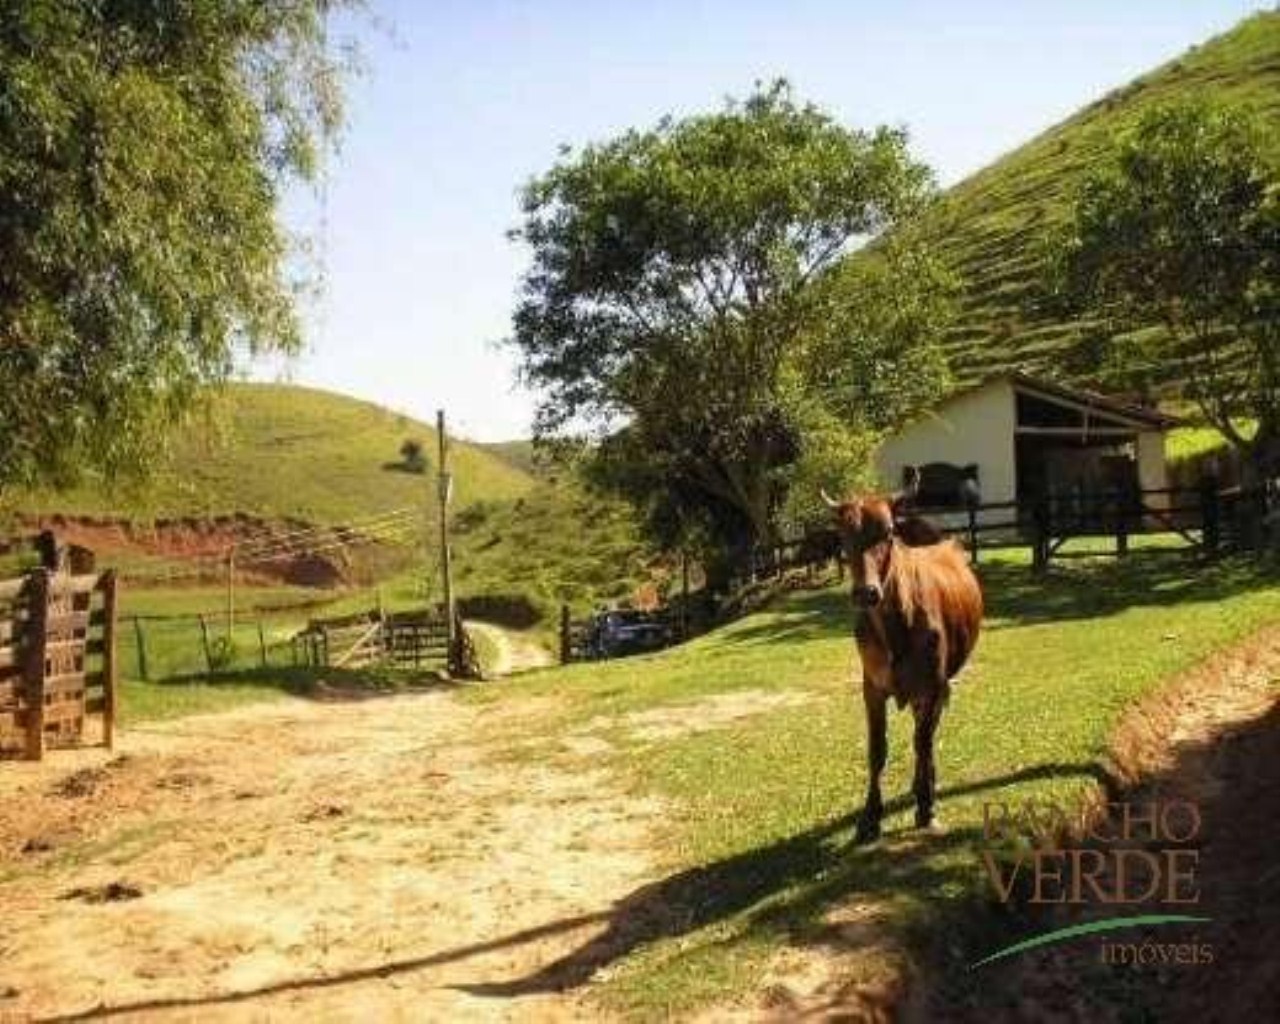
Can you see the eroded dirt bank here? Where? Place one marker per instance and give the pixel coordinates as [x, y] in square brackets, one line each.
[1213, 738]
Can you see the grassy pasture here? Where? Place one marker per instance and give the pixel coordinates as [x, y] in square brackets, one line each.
[759, 849]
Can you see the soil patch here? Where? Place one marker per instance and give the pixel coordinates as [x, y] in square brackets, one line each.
[513, 651]
[332, 557]
[372, 860]
[718, 712]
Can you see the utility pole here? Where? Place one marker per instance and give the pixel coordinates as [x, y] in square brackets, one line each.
[443, 493]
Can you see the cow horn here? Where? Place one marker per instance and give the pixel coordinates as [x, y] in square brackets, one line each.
[827, 499]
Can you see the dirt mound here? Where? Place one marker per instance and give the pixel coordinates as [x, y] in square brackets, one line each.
[195, 549]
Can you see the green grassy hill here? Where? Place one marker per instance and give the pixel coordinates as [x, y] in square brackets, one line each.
[283, 451]
[517, 453]
[988, 226]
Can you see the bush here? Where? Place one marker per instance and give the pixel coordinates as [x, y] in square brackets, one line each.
[413, 456]
[222, 654]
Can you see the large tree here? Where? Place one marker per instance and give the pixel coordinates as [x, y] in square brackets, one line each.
[143, 147]
[681, 276]
[1180, 227]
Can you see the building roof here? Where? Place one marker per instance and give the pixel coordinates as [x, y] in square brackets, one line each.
[1141, 416]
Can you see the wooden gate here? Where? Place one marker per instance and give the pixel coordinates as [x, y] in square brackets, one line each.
[405, 639]
[57, 659]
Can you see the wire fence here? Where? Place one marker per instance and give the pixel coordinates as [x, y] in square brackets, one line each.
[154, 647]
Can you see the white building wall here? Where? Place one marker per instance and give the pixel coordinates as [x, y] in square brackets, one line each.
[975, 427]
[1152, 471]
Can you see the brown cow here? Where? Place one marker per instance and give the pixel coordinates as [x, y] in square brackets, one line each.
[919, 609]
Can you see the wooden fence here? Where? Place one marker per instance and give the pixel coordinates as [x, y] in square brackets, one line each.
[1206, 518]
[408, 639]
[57, 659]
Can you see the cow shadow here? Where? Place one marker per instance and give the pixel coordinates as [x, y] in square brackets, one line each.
[786, 886]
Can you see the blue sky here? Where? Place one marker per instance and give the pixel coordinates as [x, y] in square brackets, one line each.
[462, 102]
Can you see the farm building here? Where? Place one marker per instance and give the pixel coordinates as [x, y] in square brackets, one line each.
[1015, 437]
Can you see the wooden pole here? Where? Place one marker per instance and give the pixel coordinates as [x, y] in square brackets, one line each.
[445, 486]
[110, 664]
[231, 593]
[566, 641]
[1041, 524]
[37, 655]
[141, 638]
[204, 641]
[1210, 515]
[262, 644]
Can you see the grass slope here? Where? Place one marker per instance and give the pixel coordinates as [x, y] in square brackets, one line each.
[518, 453]
[278, 450]
[557, 545]
[987, 226]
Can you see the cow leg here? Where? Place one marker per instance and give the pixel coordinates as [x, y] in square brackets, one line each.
[928, 712]
[877, 753]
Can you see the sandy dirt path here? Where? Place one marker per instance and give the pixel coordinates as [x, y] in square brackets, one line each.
[367, 860]
[514, 652]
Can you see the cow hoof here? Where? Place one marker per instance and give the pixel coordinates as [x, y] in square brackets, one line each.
[931, 825]
[866, 832]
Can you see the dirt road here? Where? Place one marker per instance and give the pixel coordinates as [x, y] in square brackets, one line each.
[354, 860]
[514, 652]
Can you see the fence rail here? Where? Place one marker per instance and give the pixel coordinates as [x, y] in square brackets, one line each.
[1207, 518]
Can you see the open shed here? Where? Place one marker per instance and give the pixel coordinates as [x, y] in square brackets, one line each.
[1018, 438]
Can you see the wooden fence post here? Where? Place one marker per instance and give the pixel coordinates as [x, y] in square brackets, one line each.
[1210, 515]
[1041, 526]
[973, 532]
[262, 644]
[1123, 507]
[566, 638]
[204, 641]
[110, 664]
[141, 640]
[37, 655]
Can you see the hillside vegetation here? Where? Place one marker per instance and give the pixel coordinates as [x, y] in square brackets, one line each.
[989, 227]
[282, 451]
[559, 544]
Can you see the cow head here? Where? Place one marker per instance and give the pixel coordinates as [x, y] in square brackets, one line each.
[866, 526]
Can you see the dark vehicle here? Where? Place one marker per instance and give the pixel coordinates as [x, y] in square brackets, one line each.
[617, 633]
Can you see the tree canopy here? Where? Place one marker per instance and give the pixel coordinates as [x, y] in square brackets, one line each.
[143, 147]
[1182, 224]
[683, 303]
